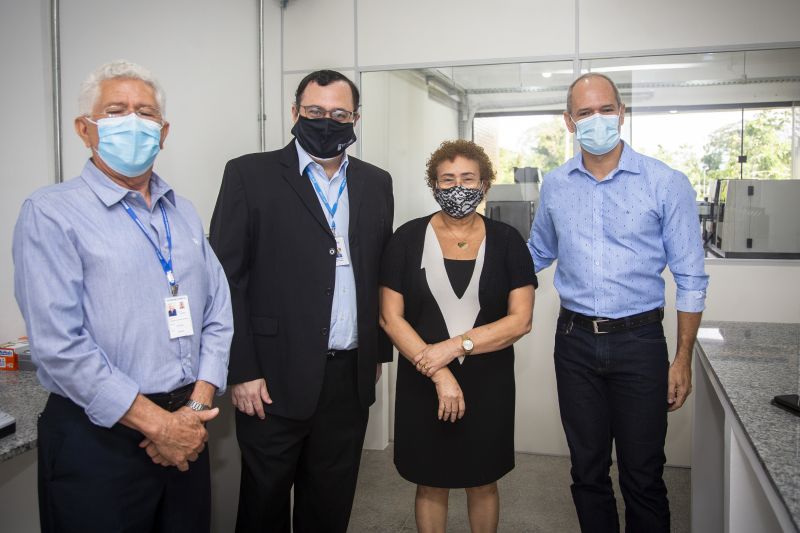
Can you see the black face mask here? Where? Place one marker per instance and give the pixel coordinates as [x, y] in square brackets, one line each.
[323, 138]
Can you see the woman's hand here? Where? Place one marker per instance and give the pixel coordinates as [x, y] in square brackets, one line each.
[437, 356]
[451, 399]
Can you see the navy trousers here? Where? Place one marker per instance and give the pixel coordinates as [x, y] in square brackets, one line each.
[613, 388]
[96, 479]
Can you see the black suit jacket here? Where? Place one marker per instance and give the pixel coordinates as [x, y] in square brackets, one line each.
[275, 245]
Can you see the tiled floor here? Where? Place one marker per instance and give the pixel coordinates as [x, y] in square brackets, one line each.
[534, 498]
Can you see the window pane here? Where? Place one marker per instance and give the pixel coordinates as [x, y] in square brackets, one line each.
[768, 143]
[539, 141]
[700, 112]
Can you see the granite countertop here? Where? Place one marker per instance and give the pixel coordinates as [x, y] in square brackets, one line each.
[754, 362]
[22, 397]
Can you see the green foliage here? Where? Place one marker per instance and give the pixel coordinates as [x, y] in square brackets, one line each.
[540, 146]
[767, 144]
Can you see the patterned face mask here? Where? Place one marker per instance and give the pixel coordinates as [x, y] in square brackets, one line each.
[458, 201]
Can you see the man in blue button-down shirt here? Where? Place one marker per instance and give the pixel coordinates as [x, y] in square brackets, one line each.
[615, 219]
[129, 318]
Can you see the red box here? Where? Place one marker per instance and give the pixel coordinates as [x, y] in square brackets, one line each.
[9, 353]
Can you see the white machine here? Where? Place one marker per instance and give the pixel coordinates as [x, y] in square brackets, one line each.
[756, 219]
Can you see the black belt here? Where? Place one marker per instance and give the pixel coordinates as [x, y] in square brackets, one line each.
[172, 401]
[601, 325]
[340, 354]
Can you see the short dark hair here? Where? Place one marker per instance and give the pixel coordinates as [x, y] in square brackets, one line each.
[449, 150]
[587, 76]
[323, 78]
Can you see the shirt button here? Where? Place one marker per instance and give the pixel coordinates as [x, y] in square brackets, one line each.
[324, 331]
[332, 251]
[597, 263]
[328, 291]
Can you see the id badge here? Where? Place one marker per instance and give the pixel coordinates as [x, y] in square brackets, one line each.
[179, 316]
[341, 252]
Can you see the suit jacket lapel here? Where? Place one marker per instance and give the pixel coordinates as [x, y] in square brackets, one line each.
[302, 186]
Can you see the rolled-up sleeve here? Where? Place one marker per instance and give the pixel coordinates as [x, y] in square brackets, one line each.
[48, 285]
[683, 244]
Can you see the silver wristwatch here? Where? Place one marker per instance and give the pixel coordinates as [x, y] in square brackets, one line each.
[467, 345]
[194, 405]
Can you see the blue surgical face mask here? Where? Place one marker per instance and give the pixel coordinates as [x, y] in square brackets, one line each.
[598, 134]
[129, 144]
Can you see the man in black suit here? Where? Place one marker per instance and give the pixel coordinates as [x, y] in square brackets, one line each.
[300, 232]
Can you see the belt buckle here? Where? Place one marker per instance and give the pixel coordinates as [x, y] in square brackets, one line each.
[594, 326]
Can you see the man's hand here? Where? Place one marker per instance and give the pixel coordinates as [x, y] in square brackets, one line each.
[437, 356]
[451, 398]
[180, 439]
[680, 382]
[249, 397]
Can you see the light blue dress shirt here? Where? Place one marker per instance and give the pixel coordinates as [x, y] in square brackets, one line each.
[92, 291]
[344, 312]
[613, 238]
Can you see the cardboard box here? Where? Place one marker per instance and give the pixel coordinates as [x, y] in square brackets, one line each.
[9, 353]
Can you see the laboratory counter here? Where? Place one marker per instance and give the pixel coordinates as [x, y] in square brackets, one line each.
[746, 451]
[22, 397]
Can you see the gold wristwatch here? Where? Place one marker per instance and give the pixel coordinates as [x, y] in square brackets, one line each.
[466, 344]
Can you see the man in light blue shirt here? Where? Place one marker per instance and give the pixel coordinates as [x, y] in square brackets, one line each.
[129, 318]
[615, 219]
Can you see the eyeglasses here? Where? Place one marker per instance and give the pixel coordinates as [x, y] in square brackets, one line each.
[470, 181]
[316, 112]
[145, 112]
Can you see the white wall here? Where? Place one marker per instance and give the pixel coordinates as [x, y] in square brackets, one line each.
[205, 53]
[618, 26]
[423, 32]
[27, 147]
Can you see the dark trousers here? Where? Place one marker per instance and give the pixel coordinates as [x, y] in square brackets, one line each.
[319, 456]
[95, 479]
[613, 387]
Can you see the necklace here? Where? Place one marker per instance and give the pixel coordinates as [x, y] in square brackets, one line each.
[461, 243]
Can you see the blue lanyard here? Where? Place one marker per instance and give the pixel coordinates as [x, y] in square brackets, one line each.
[331, 210]
[166, 264]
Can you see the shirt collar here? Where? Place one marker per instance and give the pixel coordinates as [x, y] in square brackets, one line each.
[628, 162]
[111, 193]
[304, 160]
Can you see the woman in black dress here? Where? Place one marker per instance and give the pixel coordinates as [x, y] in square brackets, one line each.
[457, 291]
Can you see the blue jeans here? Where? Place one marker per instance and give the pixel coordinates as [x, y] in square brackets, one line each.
[613, 388]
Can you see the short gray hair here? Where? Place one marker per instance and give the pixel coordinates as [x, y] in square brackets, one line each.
[586, 77]
[90, 88]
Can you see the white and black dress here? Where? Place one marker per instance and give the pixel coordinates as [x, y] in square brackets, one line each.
[444, 298]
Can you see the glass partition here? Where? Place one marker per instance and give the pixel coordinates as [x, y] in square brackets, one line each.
[714, 116]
